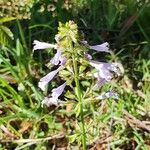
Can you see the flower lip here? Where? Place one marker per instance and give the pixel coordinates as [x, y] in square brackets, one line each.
[104, 47]
[101, 48]
[46, 79]
[53, 99]
[58, 91]
[109, 94]
[88, 56]
[48, 101]
[55, 60]
[42, 45]
[58, 58]
[104, 70]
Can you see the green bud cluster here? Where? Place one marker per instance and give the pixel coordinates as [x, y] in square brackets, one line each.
[68, 40]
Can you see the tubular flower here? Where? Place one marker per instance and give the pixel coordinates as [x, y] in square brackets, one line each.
[53, 99]
[99, 82]
[55, 61]
[42, 45]
[108, 94]
[88, 56]
[46, 79]
[58, 58]
[101, 48]
[104, 70]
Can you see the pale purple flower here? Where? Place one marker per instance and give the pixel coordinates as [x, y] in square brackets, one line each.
[55, 60]
[53, 99]
[99, 83]
[105, 70]
[84, 42]
[62, 61]
[46, 79]
[58, 58]
[109, 94]
[42, 45]
[58, 91]
[101, 48]
[42, 85]
[88, 56]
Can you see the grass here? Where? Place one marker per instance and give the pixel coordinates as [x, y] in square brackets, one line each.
[111, 124]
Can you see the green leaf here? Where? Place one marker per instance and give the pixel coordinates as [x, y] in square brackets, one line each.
[7, 19]
[70, 95]
[85, 83]
[82, 68]
[73, 138]
[77, 110]
[6, 31]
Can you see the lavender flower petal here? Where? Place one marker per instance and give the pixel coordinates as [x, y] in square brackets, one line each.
[101, 48]
[56, 58]
[108, 94]
[42, 45]
[53, 100]
[58, 91]
[104, 69]
[99, 83]
[48, 101]
[44, 81]
[62, 61]
[88, 56]
[42, 85]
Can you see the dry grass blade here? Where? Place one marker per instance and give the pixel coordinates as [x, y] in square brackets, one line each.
[6, 131]
[59, 136]
[136, 122]
[100, 142]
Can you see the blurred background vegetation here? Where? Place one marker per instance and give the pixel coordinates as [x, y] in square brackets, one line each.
[123, 23]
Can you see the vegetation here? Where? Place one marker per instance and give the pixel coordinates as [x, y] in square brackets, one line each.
[77, 120]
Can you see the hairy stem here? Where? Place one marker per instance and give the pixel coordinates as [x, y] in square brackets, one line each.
[79, 95]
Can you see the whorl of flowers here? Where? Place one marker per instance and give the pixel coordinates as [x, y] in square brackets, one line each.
[70, 48]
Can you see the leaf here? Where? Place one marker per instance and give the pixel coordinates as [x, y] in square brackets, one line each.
[70, 95]
[77, 110]
[6, 31]
[7, 19]
[73, 138]
[82, 68]
[85, 83]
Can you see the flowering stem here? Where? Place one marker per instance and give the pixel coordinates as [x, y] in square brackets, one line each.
[79, 95]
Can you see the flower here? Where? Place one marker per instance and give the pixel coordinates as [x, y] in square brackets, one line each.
[58, 58]
[44, 81]
[88, 56]
[42, 45]
[58, 91]
[53, 99]
[105, 70]
[101, 48]
[99, 83]
[108, 94]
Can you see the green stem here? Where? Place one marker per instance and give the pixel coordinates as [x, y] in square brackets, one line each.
[22, 35]
[79, 95]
